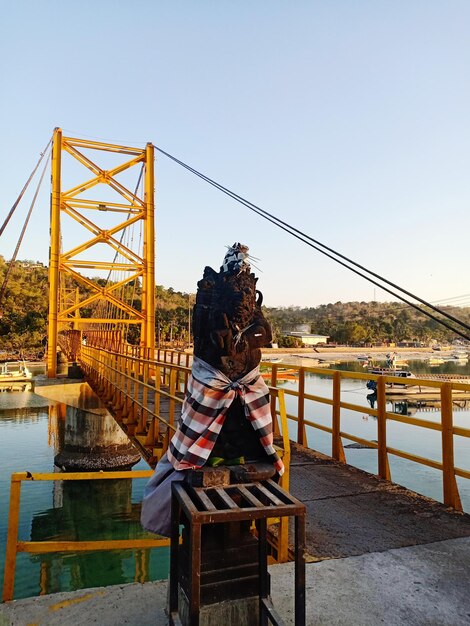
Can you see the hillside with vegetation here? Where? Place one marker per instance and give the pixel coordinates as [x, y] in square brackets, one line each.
[23, 321]
[366, 323]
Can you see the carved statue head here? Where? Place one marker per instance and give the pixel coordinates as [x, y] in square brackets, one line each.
[235, 295]
[229, 326]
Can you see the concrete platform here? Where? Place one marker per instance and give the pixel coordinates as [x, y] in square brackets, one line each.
[415, 586]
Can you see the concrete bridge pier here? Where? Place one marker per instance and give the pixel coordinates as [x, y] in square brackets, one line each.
[92, 439]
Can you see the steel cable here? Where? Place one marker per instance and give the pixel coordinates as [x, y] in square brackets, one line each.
[310, 241]
[12, 210]
[23, 230]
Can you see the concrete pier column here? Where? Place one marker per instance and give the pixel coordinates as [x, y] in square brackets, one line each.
[93, 440]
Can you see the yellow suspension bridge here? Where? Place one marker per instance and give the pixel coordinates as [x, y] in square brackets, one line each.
[102, 325]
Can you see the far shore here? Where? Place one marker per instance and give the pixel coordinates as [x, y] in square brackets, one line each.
[348, 353]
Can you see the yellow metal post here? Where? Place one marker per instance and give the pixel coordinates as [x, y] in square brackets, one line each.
[451, 490]
[301, 433]
[337, 445]
[54, 253]
[149, 247]
[12, 537]
[383, 465]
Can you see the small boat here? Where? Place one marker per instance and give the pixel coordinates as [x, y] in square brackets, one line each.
[364, 357]
[435, 361]
[391, 387]
[415, 388]
[14, 371]
[459, 355]
[283, 374]
[271, 359]
[389, 371]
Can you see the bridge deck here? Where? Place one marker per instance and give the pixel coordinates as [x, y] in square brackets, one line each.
[350, 512]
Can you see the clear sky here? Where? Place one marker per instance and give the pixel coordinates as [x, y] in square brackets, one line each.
[348, 119]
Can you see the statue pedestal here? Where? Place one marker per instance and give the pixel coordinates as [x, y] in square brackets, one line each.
[219, 573]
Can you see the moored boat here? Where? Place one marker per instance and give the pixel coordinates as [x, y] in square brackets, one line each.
[271, 359]
[14, 371]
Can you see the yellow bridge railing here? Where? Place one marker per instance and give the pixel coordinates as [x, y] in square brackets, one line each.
[127, 380]
[444, 390]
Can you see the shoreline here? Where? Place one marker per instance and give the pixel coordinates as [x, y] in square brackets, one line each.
[350, 354]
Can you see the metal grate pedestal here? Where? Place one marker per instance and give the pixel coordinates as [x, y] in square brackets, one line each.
[258, 501]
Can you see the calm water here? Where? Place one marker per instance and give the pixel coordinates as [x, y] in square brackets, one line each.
[30, 433]
[419, 441]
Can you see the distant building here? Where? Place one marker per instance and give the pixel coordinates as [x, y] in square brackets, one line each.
[302, 328]
[307, 338]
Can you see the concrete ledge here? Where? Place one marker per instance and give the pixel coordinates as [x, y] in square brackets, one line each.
[414, 586]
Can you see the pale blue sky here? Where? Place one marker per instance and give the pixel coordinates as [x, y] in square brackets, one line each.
[349, 119]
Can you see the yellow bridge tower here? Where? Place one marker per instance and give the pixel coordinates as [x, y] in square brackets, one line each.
[100, 303]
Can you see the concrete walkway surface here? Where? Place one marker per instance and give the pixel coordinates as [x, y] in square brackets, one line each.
[427, 585]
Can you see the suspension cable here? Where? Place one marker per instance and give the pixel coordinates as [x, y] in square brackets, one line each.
[12, 210]
[307, 239]
[23, 230]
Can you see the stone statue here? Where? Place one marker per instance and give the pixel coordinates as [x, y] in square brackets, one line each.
[226, 415]
[229, 330]
[229, 325]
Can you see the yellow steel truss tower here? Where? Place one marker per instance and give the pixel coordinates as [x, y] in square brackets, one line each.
[136, 265]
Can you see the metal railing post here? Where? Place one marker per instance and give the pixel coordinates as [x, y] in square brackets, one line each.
[337, 450]
[382, 455]
[173, 380]
[12, 538]
[451, 490]
[301, 432]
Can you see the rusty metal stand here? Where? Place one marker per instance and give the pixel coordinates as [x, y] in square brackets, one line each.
[235, 503]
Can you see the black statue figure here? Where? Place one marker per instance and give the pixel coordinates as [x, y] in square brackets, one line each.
[229, 332]
[226, 414]
[229, 325]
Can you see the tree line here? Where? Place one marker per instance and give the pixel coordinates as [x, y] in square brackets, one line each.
[366, 323]
[23, 311]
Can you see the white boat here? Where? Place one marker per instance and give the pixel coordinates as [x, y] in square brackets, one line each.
[414, 388]
[14, 371]
[435, 361]
[271, 359]
[459, 355]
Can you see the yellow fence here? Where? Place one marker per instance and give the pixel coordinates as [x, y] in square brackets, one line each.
[41, 547]
[444, 391]
[129, 379]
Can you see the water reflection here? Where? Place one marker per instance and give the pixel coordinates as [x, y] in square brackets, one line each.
[372, 399]
[89, 511]
[83, 510]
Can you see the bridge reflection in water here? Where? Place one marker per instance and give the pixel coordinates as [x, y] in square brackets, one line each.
[89, 511]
